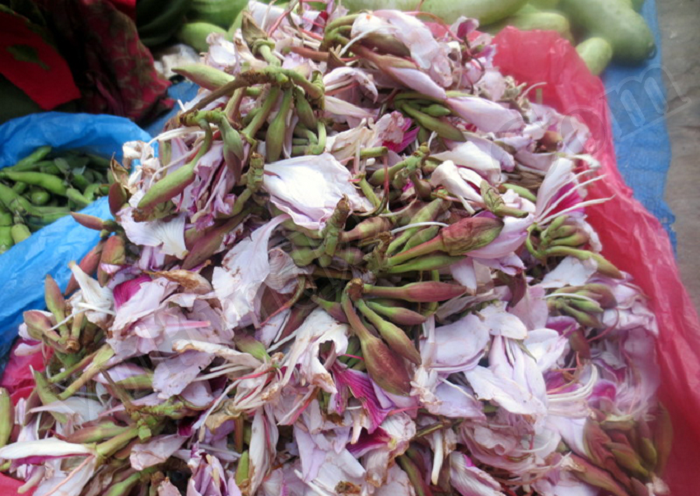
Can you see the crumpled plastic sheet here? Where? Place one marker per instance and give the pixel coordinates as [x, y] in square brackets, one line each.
[23, 268]
[637, 102]
[633, 238]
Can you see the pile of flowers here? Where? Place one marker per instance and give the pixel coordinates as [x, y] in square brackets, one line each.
[357, 263]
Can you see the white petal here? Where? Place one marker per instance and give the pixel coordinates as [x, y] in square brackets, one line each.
[44, 447]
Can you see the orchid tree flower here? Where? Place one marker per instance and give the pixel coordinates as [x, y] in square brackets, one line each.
[309, 188]
[45, 451]
[245, 268]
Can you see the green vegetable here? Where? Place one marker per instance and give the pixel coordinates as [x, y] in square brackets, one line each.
[545, 4]
[47, 181]
[596, 53]
[5, 219]
[39, 196]
[19, 233]
[195, 34]
[5, 239]
[219, 12]
[30, 160]
[614, 20]
[546, 21]
[157, 20]
[487, 11]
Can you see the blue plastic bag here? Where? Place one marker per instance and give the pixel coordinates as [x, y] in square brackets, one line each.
[637, 101]
[24, 267]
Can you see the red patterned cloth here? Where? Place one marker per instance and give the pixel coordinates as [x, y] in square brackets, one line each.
[29, 62]
[112, 68]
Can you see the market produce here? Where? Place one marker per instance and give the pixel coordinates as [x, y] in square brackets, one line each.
[362, 266]
[219, 12]
[486, 11]
[43, 187]
[596, 53]
[195, 34]
[614, 20]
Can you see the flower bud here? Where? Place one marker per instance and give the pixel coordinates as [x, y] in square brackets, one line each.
[397, 314]
[96, 433]
[113, 253]
[395, 337]
[593, 475]
[579, 344]
[209, 242]
[88, 264]
[422, 236]
[417, 292]
[417, 479]
[276, 131]
[443, 128]
[429, 262]
[39, 326]
[663, 437]
[628, 459]
[595, 441]
[55, 303]
[638, 488]
[204, 75]
[248, 344]
[470, 234]
[365, 229]
[332, 308]
[117, 198]
[303, 109]
[384, 367]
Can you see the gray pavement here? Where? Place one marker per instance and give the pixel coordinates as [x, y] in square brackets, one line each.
[680, 31]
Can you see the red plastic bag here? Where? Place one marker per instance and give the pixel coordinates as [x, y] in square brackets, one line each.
[633, 239]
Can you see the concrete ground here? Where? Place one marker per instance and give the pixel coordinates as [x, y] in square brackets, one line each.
[680, 21]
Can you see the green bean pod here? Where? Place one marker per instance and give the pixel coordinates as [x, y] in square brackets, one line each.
[28, 162]
[39, 196]
[19, 232]
[6, 241]
[47, 181]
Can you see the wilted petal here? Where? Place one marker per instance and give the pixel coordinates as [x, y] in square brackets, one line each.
[505, 392]
[169, 234]
[318, 328]
[244, 269]
[458, 346]
[309, 188]
[43, 448]
[174, 374]
[154, 451]
[488, 116]
[459, 181]
[501, 323]
[469, 480]
[468, 155]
